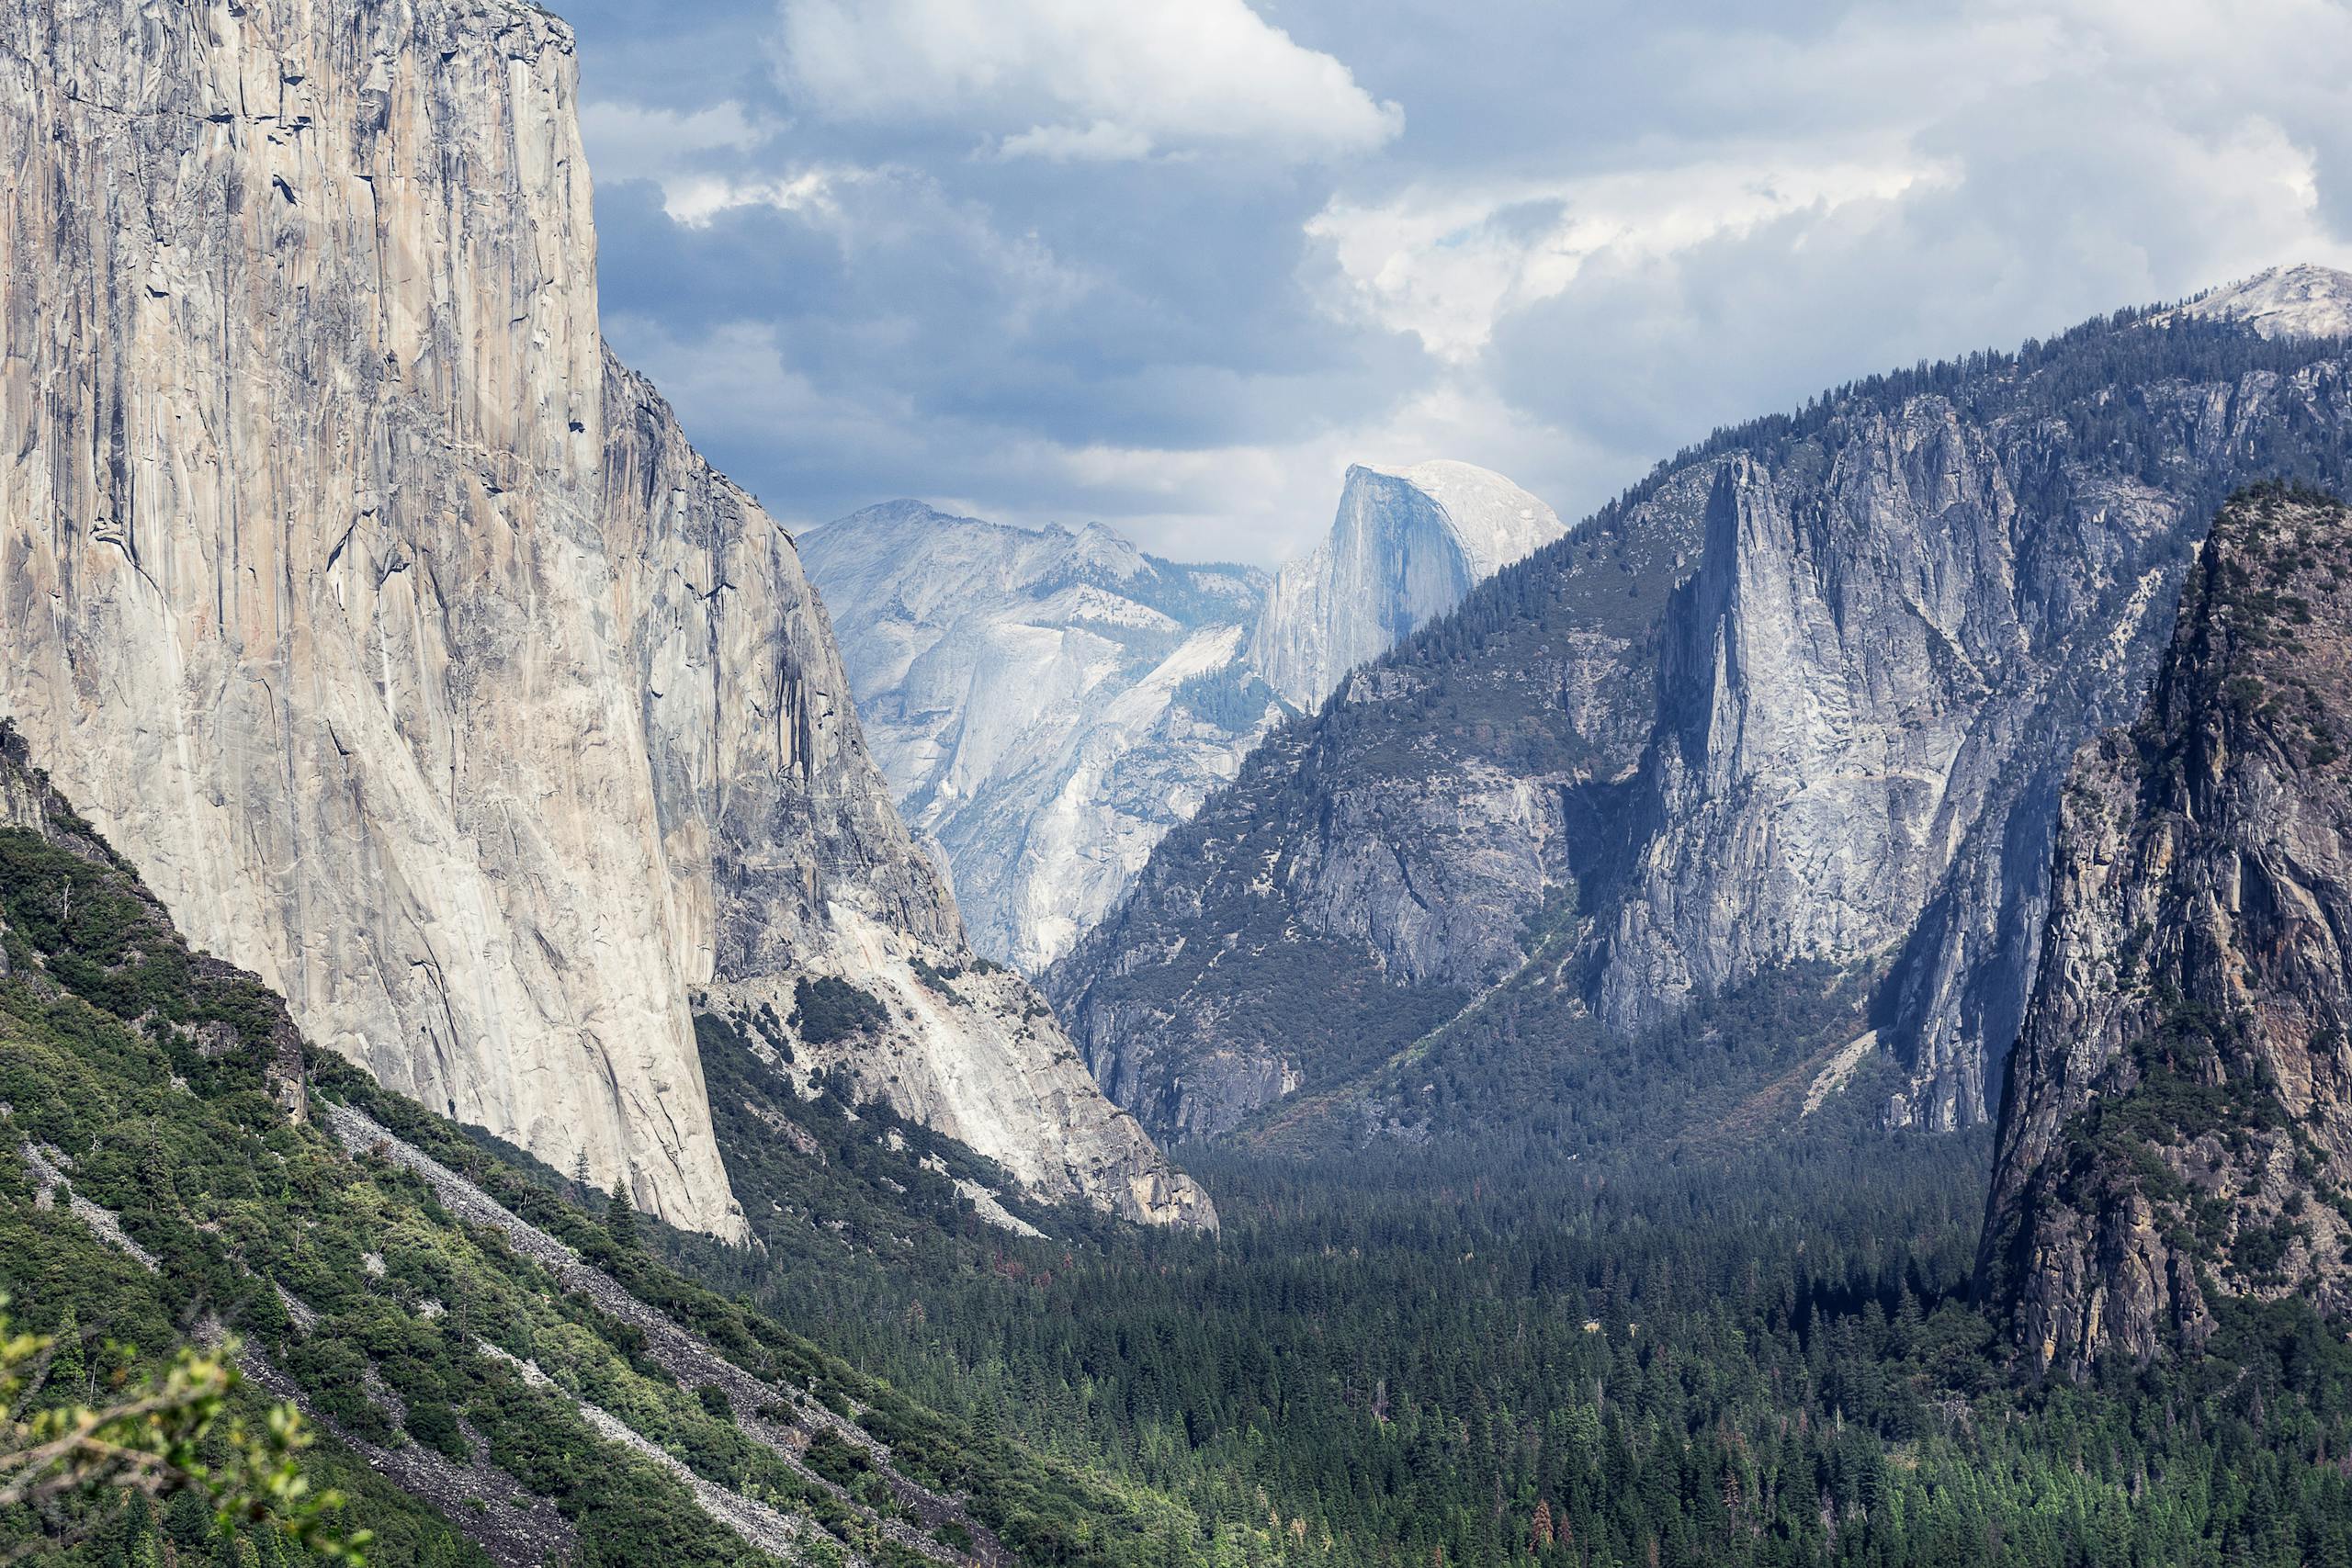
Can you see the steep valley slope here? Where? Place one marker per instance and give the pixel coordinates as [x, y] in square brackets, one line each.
[502, 1371]
[2178, 1121]
[399, 637]
[1789, 720]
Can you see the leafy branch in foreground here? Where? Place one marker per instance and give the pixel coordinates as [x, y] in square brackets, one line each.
[176, 1434]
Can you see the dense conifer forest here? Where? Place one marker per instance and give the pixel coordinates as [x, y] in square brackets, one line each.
[1481, 1354]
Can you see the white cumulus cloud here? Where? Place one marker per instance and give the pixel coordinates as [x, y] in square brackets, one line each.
[1446, 263]
[1082, 79]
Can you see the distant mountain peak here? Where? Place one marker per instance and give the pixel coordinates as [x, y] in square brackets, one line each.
[1407, 544]
[1098, 544]
[1021, 689]
[1046, 703]
[1493, 519]
[2301, 300]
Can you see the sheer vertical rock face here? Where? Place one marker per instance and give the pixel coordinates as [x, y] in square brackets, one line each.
[1406, 546]
[1858, 697]
[305, 597]
[2178, 1118]
[1810, 693]
[770, 812]
[791, 863]
[787, 860]
[321, 593]
[1044, 703]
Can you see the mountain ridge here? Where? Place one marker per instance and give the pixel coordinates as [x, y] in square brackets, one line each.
[1024, 690]
[2038, 526]
[1046, 703]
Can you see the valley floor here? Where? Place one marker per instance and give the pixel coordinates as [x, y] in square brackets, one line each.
[1452, 1355]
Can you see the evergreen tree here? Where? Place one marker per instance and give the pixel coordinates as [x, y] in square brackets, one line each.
[68, 1377]
[620, 1216]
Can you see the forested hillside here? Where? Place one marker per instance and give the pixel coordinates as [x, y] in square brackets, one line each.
[503, 1372]
[1752, 1330]
[1771, 1359]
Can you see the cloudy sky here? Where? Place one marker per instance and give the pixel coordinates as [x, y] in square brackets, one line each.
[1174, 264]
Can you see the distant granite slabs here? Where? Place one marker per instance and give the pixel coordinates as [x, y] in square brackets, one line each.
[1047, 703]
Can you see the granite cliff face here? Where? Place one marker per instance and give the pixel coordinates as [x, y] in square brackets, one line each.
[2280, 302]
[1046, 705]
[789, 863]
[305, 600]
[1407, 545]
[2178, 1119]
[1374, 867]
[1803, 698]
[398, 635]
[1858, 697]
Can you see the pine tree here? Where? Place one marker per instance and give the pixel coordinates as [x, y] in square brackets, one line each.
[620, 1216]
[145, 1553]
[68, 1380]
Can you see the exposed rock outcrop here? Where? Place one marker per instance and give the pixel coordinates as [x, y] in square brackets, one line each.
[393, 631]
[2178, 1117]
[1048, 705]
[304, 601]
[1806, 695]
[2281, 301]
[1407, 545]
[1044, 703]
[1858, 697]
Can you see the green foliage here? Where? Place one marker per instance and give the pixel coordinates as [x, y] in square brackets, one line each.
[1231, 697]
[401, 1327]
[175, 1432]
[935, 979]
[177, 1130]
[826, 1010]
[620, 1217]
[1391, 1346]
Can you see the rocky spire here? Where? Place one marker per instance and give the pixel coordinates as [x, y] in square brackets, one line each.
[2178, 1125]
